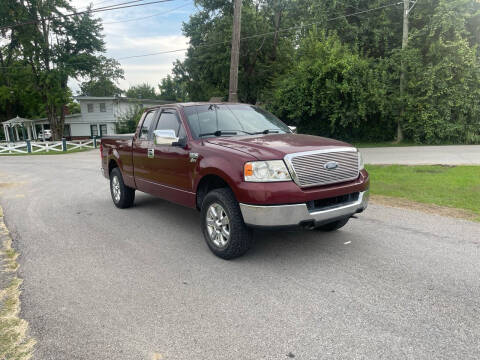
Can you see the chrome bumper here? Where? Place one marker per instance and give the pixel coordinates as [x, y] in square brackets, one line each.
[296, 214]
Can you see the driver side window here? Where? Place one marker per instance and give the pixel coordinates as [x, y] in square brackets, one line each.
[169, 121]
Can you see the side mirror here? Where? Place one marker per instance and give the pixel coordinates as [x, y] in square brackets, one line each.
[164, 137]
[182, 142]
[293, 129]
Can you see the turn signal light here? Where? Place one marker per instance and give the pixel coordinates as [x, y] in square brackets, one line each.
[248, 170]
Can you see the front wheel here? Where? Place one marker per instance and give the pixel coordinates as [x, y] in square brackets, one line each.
[122, 195]
[335, 225]
[226, 234]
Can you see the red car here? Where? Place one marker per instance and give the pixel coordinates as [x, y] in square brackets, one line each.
[241, 167]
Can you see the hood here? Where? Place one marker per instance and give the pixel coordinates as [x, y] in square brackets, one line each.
[276, 146]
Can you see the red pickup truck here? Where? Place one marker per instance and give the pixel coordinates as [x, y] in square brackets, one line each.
[241, 167]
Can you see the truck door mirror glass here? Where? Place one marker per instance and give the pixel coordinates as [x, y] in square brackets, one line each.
[165, 137]
[293, 129]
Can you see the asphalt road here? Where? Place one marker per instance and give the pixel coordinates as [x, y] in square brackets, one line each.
[424, 155]
[102, 283]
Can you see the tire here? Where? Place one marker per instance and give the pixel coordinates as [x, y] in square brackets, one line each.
[335, 225]
[125, 196]
[240, 236]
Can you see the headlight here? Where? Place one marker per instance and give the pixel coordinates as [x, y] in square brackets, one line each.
[266, 171]
[361, 164]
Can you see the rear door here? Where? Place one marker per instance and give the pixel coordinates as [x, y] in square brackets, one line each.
[170, 168]
[140, 152]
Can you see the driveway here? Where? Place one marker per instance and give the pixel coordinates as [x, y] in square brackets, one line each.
[424, 155]
[102, 283]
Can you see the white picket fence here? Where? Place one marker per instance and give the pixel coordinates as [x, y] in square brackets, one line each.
[26, 147]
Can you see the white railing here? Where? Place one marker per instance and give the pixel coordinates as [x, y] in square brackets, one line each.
[28, 146]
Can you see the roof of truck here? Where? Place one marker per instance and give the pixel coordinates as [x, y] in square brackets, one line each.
[186, 104]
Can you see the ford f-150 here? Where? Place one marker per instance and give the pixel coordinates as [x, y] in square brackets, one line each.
[241, 167]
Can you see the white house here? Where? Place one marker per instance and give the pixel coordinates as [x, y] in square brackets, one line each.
[97, 117]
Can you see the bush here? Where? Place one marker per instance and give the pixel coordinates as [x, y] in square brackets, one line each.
[332, 91]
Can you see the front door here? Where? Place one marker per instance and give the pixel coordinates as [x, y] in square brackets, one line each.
[170, 168]
[141, 148]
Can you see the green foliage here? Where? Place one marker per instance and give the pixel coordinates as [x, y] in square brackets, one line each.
[73, 107]
[127, 122]
[39, 58]
[142, 91]
[343, 81]
[172, 89]
[103, 78]
[332, 91]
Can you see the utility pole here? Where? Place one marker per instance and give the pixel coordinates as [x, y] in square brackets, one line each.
[237, 14]
[406, 13]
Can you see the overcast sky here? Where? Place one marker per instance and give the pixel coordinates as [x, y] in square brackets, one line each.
[135, 37]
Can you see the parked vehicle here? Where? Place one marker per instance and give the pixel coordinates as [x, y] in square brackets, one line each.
[45, 135]
[241, 167]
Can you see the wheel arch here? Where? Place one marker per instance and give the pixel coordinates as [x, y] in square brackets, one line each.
[207, 183]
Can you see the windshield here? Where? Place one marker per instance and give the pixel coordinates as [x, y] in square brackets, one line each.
[230, 120]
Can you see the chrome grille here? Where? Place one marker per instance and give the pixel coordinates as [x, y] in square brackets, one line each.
[309, 168]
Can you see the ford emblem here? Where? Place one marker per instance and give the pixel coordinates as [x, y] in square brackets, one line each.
[331, 165]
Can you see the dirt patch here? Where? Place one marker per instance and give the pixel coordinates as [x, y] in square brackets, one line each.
[427, 208]
[15, 342]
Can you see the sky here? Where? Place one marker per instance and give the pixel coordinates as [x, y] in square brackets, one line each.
[162, 31]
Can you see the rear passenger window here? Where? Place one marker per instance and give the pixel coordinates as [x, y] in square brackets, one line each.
[147, 122]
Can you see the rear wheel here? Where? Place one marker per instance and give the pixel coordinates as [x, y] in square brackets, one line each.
[122, 195]
[335, 225]
[226, 234]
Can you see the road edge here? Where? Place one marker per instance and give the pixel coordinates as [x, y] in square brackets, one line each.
[15, 342]
[433, 209]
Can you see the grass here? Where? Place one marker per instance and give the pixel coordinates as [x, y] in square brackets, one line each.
[455, 187]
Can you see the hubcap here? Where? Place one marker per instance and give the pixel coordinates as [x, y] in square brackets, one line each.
[116, 189]
[218, 225]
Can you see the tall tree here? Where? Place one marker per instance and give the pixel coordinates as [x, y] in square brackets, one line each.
[103, 79]
[54, 47]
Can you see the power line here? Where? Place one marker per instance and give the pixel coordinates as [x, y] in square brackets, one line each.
[257, 35]
[101, 9]
[146, 17]
[265, 34]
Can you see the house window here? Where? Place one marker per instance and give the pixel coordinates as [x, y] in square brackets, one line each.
[94, 130]
[103, 108]
[66, 130]
[90, 107]
[103, 130]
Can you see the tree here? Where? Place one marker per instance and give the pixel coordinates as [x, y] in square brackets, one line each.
[103, 79]
[127, 122]
[142, 91]
[171, 88]
[54, 48]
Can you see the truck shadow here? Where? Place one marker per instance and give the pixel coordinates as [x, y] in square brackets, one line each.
[268, 245]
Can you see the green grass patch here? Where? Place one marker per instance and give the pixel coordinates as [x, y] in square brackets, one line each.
[456, 187]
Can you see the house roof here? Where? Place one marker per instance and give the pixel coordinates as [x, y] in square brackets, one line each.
[120, 98]
[17, 121]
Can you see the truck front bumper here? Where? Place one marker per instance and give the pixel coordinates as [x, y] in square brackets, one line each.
[298, 214]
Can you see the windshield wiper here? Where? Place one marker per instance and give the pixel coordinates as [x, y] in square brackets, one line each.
[225, 132]
[219, 133]
[266, 131]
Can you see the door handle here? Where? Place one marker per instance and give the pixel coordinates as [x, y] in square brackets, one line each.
[151, 153]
